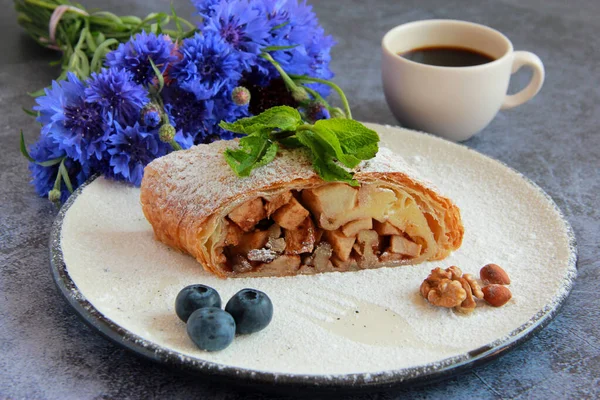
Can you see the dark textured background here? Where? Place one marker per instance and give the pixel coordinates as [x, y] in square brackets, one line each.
[47, 352]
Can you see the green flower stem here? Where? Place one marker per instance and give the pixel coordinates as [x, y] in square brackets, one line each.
[58, 181]
[340, 92]
[316, 95]
[175, 145]
[286, 78]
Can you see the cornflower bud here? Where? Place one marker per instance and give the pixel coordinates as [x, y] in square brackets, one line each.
[240, 96]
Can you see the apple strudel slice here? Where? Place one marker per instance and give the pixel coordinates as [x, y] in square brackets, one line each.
[285, 220]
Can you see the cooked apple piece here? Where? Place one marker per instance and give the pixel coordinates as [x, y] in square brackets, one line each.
[368, 243]
[342, 245]
[352, 228]
[291, 215]
[282, 265]
[233, 234]
[401, 245]
[277, 202]
[302, 239]
[320, 258]
[277, 245]
[251, 241]
[274, 231]
[248, 214]
[344, 265]
[386, 256]
[386, 228]
[328, 202]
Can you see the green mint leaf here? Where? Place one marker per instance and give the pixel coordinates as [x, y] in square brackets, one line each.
[270, 154]
[332, 145]
[281, 117]
[323, 162]
[24, 149]
[253, 150]
[355, 138]
[291, 142]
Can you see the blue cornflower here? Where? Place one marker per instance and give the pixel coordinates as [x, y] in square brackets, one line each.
[134, 56]
[78, 127]
[114, 90]
[188, 114]
[131, 149]
[208, 64]
[240, 24]
[184, 140]
[206, 8]
[43, 178]
[295, 24]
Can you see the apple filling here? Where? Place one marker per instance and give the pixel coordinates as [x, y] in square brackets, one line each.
[332, 227]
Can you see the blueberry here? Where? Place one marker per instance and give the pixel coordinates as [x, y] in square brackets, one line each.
[251, 309]
[194, 297]
[211, 328]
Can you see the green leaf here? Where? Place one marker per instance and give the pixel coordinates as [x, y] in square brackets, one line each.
[50, 163]
[177, 23]
[159, 75]
[291, 142]
[281, 117]
[38, 93]
[355, 138]
[253, 149]
[270, 154]
[330, 143]
[24, 149]
[277, 48]
[62, 170]
[323, 163]
[101, 51]
[29, 112]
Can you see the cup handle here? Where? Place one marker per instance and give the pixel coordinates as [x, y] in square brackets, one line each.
[521, 59]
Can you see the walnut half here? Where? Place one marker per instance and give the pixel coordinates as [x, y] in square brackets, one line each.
[450, 288]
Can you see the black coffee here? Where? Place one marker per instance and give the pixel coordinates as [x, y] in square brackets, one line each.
[447, 56]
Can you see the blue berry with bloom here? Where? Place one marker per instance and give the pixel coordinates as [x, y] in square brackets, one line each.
[43, 178]
[240, 24]
[131, 148]
[207, 66]
[80, 128]
[118, 95]
[135, 55]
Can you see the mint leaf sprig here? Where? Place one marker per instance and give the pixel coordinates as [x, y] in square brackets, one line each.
[333, 143]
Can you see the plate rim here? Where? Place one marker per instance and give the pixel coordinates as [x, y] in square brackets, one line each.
[415, 375]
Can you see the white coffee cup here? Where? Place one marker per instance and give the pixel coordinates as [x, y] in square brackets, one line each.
[453, 102]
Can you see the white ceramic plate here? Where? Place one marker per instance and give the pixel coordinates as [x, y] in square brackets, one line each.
[342, 330]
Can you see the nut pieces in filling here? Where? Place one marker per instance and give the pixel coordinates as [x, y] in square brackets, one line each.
[314, 230]
[451, 288]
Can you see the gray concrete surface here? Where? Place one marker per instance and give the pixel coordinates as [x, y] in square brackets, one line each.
[47, 352]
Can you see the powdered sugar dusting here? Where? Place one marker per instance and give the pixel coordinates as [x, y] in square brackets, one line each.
[200, 179]
[132, 279]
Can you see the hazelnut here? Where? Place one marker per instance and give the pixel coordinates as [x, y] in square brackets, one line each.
[496, 295]
[493, 274]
